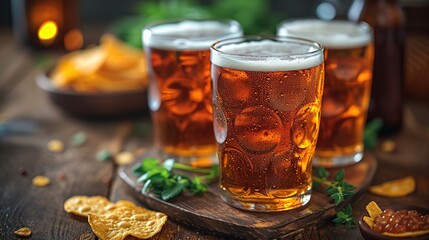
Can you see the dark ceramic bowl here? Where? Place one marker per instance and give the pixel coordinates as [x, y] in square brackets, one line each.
[369, 234]
[94, 105]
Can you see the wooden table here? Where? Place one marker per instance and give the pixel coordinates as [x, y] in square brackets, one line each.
[33, 121]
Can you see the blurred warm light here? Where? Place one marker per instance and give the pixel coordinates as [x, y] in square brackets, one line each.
[47, 32]
[73, 40]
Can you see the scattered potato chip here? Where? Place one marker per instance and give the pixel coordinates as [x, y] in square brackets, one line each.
[112, 66]
[83, 205]
[116, 220]
[373, 209]
[124, 158]
[127, 221]
[395, 188]
[23, 232]
[55, 146]
[41, 181]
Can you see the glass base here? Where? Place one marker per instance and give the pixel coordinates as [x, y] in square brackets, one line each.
[274, 205]
[194, 161]
[202, 161]
[337, 161]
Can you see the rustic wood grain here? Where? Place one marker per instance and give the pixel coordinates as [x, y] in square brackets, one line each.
[41, 209]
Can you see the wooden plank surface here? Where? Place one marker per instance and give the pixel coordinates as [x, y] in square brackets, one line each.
[24, 148]
[210, 213]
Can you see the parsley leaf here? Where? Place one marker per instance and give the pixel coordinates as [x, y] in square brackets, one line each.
[162, 179]
[338, 190]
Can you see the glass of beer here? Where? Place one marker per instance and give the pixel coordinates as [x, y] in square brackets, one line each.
[267, 95]
[349, 57]
[178, 53]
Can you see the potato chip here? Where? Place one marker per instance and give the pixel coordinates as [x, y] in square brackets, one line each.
[88, 60]
[113, 66]
[119, 55]
[125, 203]
[127, 221]
[395, 188]
[23, 232]
[124, 158]
[369, 221]
[373, 209]
[55, 146]
[41, 181]
[83, 205]
[77, 64]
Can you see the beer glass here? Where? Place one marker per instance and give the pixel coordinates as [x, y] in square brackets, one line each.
[349, 57]
[178, 53]
[266, 108]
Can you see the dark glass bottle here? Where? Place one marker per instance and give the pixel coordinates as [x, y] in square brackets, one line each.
[387, 19]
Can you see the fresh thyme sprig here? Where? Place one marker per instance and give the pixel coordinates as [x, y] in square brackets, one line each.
[338, 190]
[344, 216]
[165, 182]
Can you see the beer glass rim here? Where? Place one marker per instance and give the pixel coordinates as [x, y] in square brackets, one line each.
[360, 34]
[235, 40]
[302, 53]
[363, 27]
[233, 27]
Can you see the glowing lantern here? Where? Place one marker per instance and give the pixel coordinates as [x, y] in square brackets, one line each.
[47, 32]
[47, 24]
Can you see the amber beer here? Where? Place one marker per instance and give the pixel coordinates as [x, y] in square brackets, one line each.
[348, 74]
[266, 107]
[180, 86]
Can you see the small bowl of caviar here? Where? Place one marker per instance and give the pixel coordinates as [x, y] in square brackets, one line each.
[396, 222]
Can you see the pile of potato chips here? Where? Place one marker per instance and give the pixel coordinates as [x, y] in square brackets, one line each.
[110, 67]
[118, 220]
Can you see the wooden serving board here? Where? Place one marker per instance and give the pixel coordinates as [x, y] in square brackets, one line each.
[209, 213]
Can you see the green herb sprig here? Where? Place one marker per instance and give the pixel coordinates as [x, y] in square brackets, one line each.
[166, 183]
[345, 216]
[338, 190]
[162, 180]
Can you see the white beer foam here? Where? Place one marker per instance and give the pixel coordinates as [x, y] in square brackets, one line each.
[189, 34]
[335, 34]
[266, 56]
